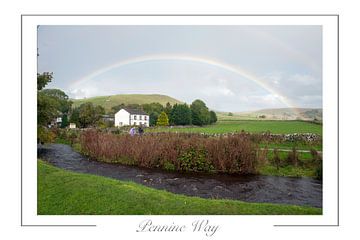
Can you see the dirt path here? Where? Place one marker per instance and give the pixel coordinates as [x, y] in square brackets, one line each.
[254, 188]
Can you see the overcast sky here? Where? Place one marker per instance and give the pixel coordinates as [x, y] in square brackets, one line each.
[231, 68]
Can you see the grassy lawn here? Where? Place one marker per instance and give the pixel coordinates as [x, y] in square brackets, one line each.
[274, 126]
[63, 192]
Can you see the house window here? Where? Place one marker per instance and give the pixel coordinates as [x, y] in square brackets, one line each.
[140, 117]
[134, 117]
[145, 118]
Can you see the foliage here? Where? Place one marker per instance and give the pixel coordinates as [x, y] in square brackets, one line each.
[213, 117]
[232, 154]
[230, 114]
[51, 103]
[180, 115]
[62, 100]
[169, 166]
[317, 161]
[162, 120]
[87, 115]
[199, 113]
[168, 108]
[61, 192]
[46, 109]
[43, 79]
[195, 160]
[64, 122]
[153, 110]
[45, 135]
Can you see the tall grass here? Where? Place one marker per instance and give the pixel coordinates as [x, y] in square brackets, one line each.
[182, 152]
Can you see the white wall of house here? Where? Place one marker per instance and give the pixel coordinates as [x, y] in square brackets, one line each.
[124, 118]
[139, 120]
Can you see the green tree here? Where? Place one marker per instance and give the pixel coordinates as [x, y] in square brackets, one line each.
[163, 119]
[89, 114]
[46, 106]
[180, 115]
[199, 113]
[74, 116]
[213, 117]
[117, 108]
[43, 79]
[63, 102]
[153, 110]
[168, 108]
[64, 122]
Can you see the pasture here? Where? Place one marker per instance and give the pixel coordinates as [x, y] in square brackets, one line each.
[252, 126]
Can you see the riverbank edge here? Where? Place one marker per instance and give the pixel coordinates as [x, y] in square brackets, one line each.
[63, 192]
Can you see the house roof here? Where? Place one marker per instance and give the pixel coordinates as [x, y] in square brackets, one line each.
[135, 111]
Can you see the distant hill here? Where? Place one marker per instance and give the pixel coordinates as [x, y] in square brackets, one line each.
[277, 114]
[290, 113]
[110, 101]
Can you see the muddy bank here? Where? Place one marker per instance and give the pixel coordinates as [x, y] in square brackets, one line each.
[254, 188]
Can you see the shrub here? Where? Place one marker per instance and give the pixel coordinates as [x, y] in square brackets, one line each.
[293, 158]
[317, 161]
[195, 160]
[182, 152]
[276, 158]
[45, 135]
[162, 120]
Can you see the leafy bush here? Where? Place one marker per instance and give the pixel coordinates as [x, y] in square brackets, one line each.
[317, 161]
[195, 160]
[45, 135]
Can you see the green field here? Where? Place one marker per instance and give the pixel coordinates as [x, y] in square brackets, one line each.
[253, 126]
[63, 192]
[110, 101]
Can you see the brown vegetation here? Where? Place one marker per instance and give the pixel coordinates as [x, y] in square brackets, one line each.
[182, 152]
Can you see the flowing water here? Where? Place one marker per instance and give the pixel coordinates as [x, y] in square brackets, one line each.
[250, 188]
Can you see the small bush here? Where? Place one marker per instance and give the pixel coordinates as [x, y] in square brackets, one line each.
[195, 160]
[45, 135]
[276, 158]
[317, 161]
[169, 166]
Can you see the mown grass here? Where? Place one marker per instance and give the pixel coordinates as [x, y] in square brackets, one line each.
[252, 126]
[62, 192]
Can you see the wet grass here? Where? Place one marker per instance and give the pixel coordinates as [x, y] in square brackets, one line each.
[309, 170]
[253, 126]
[63, 192]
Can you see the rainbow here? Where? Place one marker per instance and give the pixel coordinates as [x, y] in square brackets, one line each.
[189, 58]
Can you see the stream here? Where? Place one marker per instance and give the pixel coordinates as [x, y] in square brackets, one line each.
[249, 188]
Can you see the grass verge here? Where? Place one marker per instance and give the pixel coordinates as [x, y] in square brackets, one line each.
[63, 192]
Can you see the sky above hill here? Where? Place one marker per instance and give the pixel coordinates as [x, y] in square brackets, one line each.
[231, 68]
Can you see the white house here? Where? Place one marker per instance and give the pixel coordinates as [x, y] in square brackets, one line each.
[127, 116]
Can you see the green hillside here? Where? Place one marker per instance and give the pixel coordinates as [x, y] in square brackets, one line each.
[110, 101]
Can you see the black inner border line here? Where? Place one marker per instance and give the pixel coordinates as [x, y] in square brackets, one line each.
[180, 15]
